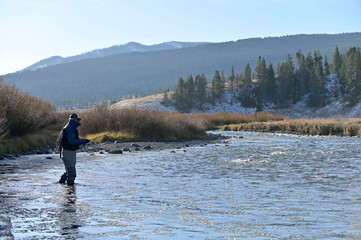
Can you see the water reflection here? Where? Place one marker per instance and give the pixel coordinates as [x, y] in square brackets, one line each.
[68, 219]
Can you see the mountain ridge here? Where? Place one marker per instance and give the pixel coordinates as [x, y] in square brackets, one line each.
[142, 73]
[112, 50]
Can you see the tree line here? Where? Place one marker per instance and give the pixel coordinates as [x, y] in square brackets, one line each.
[290, 81]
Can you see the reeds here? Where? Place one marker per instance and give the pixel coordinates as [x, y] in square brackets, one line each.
[340, 127]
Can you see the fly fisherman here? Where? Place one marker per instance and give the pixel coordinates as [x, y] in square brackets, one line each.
[69, 142]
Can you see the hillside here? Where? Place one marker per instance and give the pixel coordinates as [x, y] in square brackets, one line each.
[113, 50]
[139, 73]
[336, 109]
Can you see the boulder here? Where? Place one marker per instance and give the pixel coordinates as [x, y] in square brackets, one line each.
[148, 147]
[135, 145]
[118, 141]
[116, 151]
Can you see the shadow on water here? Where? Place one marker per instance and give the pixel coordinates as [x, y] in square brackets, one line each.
[68, 219]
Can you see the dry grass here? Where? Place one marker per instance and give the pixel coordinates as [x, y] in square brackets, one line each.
[140, 124]
[217, 120]
[341, 127]
[17, 144]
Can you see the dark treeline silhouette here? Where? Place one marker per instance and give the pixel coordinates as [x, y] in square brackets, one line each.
[308, 77]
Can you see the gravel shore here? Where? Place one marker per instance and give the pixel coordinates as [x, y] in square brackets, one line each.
[118, 147]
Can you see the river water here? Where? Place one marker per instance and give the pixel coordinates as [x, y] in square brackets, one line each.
[261, 186]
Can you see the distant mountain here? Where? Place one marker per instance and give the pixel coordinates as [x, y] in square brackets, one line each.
[126, 48]
[143, 72]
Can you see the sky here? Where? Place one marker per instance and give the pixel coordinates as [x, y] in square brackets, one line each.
[32, 30]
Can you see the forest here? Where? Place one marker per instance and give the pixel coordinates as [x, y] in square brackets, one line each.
[306, 76]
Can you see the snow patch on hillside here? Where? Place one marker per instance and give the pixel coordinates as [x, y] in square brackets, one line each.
[335, 107]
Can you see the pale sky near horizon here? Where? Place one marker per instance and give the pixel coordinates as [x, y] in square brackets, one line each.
[32, 30]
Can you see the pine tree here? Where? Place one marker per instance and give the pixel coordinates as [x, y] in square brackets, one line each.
[337, 62]
[261, 71]
[351, 73]
[271, 86]
[245, 88]
[179, 95]
[201, 90]
[301, 77]
[286, 81]
[231, 79]
[317, 90]
[188, 93]
[326, 67]
[217, 86]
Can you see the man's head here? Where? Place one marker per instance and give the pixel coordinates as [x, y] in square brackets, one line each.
[76, 117]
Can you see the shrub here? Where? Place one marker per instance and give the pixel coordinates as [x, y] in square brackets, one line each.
[3, 124]
[23, 113]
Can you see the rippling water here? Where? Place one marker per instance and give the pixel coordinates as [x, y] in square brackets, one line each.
[262, 186]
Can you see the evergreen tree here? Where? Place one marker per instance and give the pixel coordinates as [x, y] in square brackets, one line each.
[179, 95]
[201, 90]
[317, 97]
[271, 87]
[260, 88]
[301, 76]
[337, 62]
[351, 73]
[286, 80]
[217, 87]
[232, 79]
[223, 80]
[327, 67]
[245, 93]
[188, 93]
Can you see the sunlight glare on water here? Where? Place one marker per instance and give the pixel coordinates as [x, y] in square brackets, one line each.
[261, 186]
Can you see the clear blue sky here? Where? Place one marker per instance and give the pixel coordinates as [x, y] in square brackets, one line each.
[31, 30]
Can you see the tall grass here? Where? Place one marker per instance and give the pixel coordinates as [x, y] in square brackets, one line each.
[142, 124]
[218, 119]
[341, 127]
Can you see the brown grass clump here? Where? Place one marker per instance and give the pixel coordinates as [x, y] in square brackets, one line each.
[345, 127]
[218, 119]
[17, 144]
[142, 125]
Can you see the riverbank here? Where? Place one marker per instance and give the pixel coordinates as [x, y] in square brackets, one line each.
[118, 147]
[322, 127]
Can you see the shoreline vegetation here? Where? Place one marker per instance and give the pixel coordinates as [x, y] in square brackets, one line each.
[27, 122]
[321, 127]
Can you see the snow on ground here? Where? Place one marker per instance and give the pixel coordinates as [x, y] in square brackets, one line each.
[335, 107]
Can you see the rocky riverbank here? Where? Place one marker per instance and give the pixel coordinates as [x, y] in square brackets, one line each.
[119, 147]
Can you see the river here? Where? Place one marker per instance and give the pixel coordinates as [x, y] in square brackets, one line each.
[261, 186]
